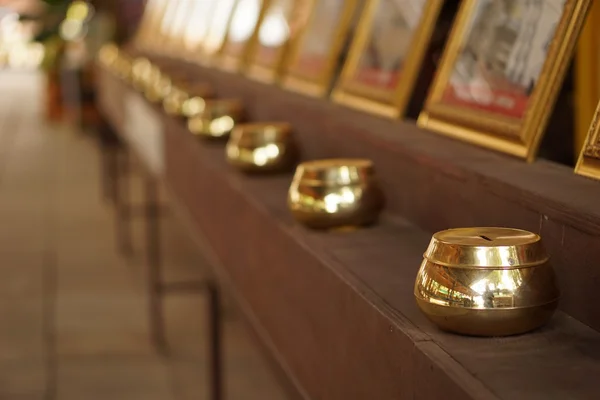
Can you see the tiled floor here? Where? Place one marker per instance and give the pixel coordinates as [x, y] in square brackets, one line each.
[73, 320]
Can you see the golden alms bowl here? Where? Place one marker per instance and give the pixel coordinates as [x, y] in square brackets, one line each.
[149, 79]
[214, 119]
[335, 193]
[108, 55]
[122, 67]
[158, 88]
[486, 282]
[262, 147]
[177, 102]
[163, 84]
[141, 72]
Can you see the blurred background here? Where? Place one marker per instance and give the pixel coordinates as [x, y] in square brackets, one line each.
[73, 310]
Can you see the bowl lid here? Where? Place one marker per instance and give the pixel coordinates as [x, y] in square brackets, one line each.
[339, 171]
[251, 134]
[486, 247]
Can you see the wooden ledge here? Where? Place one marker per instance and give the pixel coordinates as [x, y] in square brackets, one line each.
[345, 299]
[339, 307]
[438, 183]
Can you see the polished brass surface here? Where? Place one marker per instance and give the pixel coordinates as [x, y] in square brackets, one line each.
[159, 89]
[486, 282]
[262, 147]
[141, 71]
[149, 81]
[122, 67]
[154, 74]
[335, 193]
[215, 118]
[174, 101]
[486, 247]
[187, 99]
[108, 55]
[193, 106]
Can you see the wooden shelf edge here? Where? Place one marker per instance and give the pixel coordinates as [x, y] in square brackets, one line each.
[338, 307]
[438, 183]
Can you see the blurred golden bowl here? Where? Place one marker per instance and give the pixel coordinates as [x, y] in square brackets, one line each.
[173, 102]
[177, 102]
[159, 88]
[262, 147]
[108, 55]
[215, 118]
[335, 193]
[141, 71]
[122, 67]
[486, 282]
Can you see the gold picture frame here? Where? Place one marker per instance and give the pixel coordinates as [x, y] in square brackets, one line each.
[588, 163]
[587, 79]
[477, 108]
[147, 31]
[218, 29]
[176, 28]
[242, 33]
[278, 29]
[196, 28]
[152, 32]
[314, 56]
[383, 84]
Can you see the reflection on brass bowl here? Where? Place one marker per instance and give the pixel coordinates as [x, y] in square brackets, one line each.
[174, 101]
[141, 72]
[486, 282]
[108, 55]
[122, 67]
[262, 147]
[215, 118]
[159, 88]
[153, 75]
[335, 193]
[177, 102]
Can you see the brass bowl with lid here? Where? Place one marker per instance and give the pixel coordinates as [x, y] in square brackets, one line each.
[215, 119]
[122, 67]
[141, 72]
[158, 87]
[108, 55]
[159, 83]
[148, 79]
[335, 193]
[177, 102]
[486, 282]
[262, 147]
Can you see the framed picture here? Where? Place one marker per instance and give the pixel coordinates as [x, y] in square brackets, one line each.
[196, 27]
[280, 25]
[314, 57]
[589, 158]
[386, 54]
[587, 76]
[167, 24]
[218, 29]
[152, 31]
[149, 24]
[240, 40]
[501, 72]
[179, 23]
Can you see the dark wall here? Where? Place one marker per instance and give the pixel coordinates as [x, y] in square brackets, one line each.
[126, 13]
